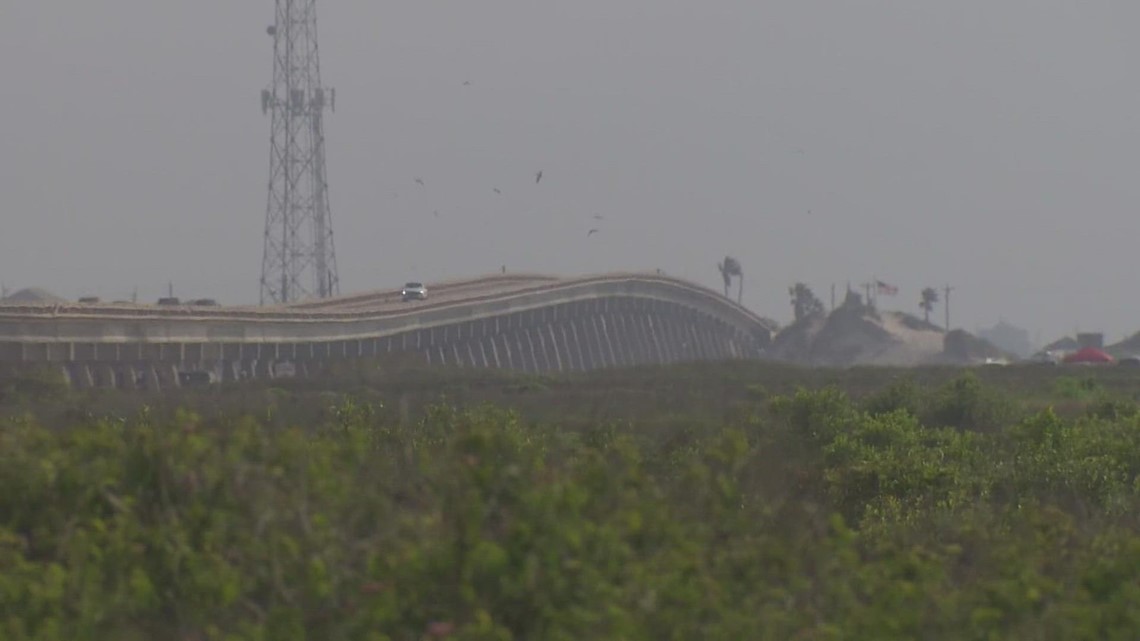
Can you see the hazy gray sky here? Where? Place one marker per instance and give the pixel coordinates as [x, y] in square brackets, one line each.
[991, 144]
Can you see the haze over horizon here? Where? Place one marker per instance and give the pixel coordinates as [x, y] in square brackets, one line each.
[989, 145]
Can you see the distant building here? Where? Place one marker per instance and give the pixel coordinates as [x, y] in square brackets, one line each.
[1093, 340]
[1009, 338]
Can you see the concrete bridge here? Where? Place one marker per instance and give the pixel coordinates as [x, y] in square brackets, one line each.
[526, 322]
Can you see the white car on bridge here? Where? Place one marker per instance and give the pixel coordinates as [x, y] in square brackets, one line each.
[414, 291]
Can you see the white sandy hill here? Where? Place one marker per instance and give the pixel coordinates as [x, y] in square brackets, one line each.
[855, 334]
[915, 341]
[32, 296]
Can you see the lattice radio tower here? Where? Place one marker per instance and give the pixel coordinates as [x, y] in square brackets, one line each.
[299, 260]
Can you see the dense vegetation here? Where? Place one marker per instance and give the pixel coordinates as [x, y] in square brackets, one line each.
[701, 502]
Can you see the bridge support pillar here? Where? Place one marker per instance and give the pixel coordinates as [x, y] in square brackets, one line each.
[168, 376]
[552, 347]
[619, 339]
[81, 376]
[231, 371]
[106, 377]
[534, 347]
[573, 348]
[583, 343]
[152, 381]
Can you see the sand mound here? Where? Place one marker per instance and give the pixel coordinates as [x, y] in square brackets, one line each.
[963, 348]
[856, 334]
[33, 296]
[1127, 347]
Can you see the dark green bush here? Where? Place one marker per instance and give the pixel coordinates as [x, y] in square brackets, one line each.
[910, 514]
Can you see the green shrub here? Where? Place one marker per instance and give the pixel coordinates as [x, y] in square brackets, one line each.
[966, 403]
[917, 512]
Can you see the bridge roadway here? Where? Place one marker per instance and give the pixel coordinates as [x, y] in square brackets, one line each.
[529, 322]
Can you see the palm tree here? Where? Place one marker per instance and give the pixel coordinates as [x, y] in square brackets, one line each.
[929, 299]
[804, 302]
[729, 268]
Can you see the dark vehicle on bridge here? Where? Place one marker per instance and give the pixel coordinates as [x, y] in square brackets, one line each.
[169, 300]
[414, 291]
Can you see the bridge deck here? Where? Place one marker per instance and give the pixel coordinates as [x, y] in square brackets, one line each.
[534, 322]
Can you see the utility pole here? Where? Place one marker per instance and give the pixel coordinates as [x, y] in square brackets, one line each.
[299, 259]
[946, 304]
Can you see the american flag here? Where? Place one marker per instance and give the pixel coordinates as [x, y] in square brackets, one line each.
[885, 289]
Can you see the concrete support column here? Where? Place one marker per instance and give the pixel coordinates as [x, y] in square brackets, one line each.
[556, 348]
[598, 342]
[700, 351]
[537, 349]
[609, 339]
[623, 339]
[81, 376]
[152, 382]
[521, 345]
[597, 347]
[595, 359]
[680, 331]
[573, 345]
[646, 321]
[561, 338]
[488, 343]
[126, 376]
[106, 377]
[670, 346]
[505, 353]
[230, 371]
[168, 376]
[698, 335]
[715, 336]
[729, 341]
[629, 337]
[689, 339]
[646, 355]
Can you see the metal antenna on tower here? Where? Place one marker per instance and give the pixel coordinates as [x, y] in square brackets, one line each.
[299, 260]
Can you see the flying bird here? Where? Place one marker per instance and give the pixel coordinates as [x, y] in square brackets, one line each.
[420, 182]
[538, 177]
[435, 213]
[466, 83]
[496, 190]
[591, 232]
[598, 217]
